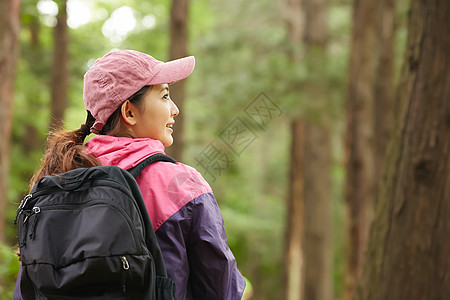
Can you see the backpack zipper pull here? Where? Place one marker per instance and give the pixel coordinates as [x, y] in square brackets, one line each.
[23, 234]
[21, 207]
[126, 267]
[125, 264]
[27, 215]
[36, 210]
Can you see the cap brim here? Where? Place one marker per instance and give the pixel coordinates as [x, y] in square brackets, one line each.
[174, 71]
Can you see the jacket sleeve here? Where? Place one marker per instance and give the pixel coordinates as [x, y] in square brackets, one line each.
[213, 270]
[17, 294]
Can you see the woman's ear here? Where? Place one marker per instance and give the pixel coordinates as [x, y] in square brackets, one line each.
[128, 113]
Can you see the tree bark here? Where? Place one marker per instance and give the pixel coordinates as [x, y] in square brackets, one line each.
[409, 250]
[9, 52]
[178, 48]
[32, 139]
[384, 83]
[294, 269]
[360, 164]
[318, 252]
[60, 73]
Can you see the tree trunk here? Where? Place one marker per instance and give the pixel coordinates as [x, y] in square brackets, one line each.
[178, 48]
[318, 252]
[60, 73]
[409, 251]
[32, 139]
[295, 19]
[384, 83]
[9, 51]
[360, 165]
[294, 268]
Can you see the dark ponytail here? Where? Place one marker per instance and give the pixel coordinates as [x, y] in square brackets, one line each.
[65, 152]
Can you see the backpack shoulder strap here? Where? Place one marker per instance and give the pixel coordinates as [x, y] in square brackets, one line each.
[136, 170]
[151, 240]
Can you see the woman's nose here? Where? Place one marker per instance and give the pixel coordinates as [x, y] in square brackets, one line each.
[174, 108]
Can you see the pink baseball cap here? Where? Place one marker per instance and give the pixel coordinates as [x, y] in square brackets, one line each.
[119, 74]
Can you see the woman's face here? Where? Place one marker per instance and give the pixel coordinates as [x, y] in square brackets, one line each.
[155, 116]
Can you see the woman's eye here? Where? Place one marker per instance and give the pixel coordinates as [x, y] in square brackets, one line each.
[166, 96]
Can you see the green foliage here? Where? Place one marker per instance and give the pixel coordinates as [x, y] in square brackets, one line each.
[9, 267]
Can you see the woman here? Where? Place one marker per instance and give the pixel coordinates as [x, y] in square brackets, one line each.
[126, 95]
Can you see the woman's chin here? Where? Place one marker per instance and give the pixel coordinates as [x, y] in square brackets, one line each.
[168, 142]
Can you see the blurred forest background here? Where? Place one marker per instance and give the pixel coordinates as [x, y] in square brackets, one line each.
[288, 115]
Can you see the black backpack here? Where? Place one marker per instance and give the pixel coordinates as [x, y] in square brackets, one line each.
[86, 234]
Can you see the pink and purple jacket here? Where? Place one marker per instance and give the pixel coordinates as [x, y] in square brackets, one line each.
[186, 218]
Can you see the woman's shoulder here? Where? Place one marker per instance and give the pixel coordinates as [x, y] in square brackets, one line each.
[167, 187]
[180, 176]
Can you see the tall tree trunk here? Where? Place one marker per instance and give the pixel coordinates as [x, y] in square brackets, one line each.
[384, 83]
[317, 168]
[318, 252]
[32, 140]
[294, 269]
[360, 165]
[295, 19]
[178, 48]
[9, 51]
[60, 73]
[409, 250]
